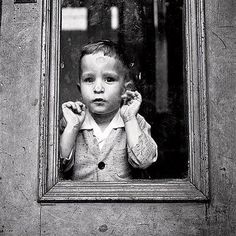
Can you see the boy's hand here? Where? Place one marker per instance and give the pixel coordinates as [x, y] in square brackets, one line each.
[74, 113]
[132, 101]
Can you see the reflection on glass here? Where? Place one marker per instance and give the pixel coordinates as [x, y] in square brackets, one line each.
[114, 18]
[74, 18]
[151, 33]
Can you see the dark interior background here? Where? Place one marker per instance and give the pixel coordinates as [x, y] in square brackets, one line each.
[151, 33]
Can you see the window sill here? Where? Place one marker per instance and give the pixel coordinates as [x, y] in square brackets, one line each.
[140, 190]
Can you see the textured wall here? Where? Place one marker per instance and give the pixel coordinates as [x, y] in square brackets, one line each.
[221, 60]
[20, 214]
[19, 114]
[123, 219]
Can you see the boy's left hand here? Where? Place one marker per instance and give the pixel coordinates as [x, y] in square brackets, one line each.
[131, 104]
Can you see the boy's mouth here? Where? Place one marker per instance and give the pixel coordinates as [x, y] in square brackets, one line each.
[99, 100]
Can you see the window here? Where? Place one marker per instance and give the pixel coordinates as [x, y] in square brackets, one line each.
[169, 68]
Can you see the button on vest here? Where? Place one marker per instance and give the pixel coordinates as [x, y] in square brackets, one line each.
[101, 165]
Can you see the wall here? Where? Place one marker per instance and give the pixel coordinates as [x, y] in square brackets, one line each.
[221, 57]
[20, 214]
[19, 113]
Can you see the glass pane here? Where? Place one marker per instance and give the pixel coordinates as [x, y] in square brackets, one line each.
[151, 32]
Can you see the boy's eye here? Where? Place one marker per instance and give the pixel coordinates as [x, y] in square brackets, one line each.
[110, 79]
[88, 79]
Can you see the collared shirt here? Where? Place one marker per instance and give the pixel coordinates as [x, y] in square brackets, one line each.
[90, 124]
[114, 160]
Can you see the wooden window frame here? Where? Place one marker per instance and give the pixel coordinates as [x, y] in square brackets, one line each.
[194, 188]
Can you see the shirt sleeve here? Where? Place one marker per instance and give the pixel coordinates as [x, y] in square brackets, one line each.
[145, 152]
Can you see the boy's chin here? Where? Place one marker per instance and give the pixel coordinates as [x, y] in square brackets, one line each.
[103, 111]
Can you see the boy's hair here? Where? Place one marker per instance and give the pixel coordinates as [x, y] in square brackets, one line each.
[110, 49]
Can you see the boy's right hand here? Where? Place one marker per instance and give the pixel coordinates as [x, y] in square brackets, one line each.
[74, 113]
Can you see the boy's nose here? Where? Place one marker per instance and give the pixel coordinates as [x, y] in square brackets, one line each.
[98, 87]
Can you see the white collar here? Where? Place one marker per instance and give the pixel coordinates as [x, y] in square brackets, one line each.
[90, 123]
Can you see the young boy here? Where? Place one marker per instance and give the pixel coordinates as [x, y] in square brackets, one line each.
[104, 137]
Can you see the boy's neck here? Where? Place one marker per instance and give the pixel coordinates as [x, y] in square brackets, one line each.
[103, 120]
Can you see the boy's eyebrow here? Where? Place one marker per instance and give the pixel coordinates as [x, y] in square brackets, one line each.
[87, 73]
[111, 73]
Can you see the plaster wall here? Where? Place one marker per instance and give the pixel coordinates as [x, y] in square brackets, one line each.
[221, 66]
[20, 214]
[19, 114]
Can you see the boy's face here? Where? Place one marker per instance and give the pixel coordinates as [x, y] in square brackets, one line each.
[101, 83]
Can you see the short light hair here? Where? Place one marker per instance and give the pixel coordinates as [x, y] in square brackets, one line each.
[108, 48]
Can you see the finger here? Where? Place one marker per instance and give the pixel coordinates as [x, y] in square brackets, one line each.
[81, 105]
[78, 107]
[73, 106]
[69, 105]
[138, 96]
[66, 107]
[136, 93]
[130, 94]
[125, 100]
[65, 104]
[123, 96]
